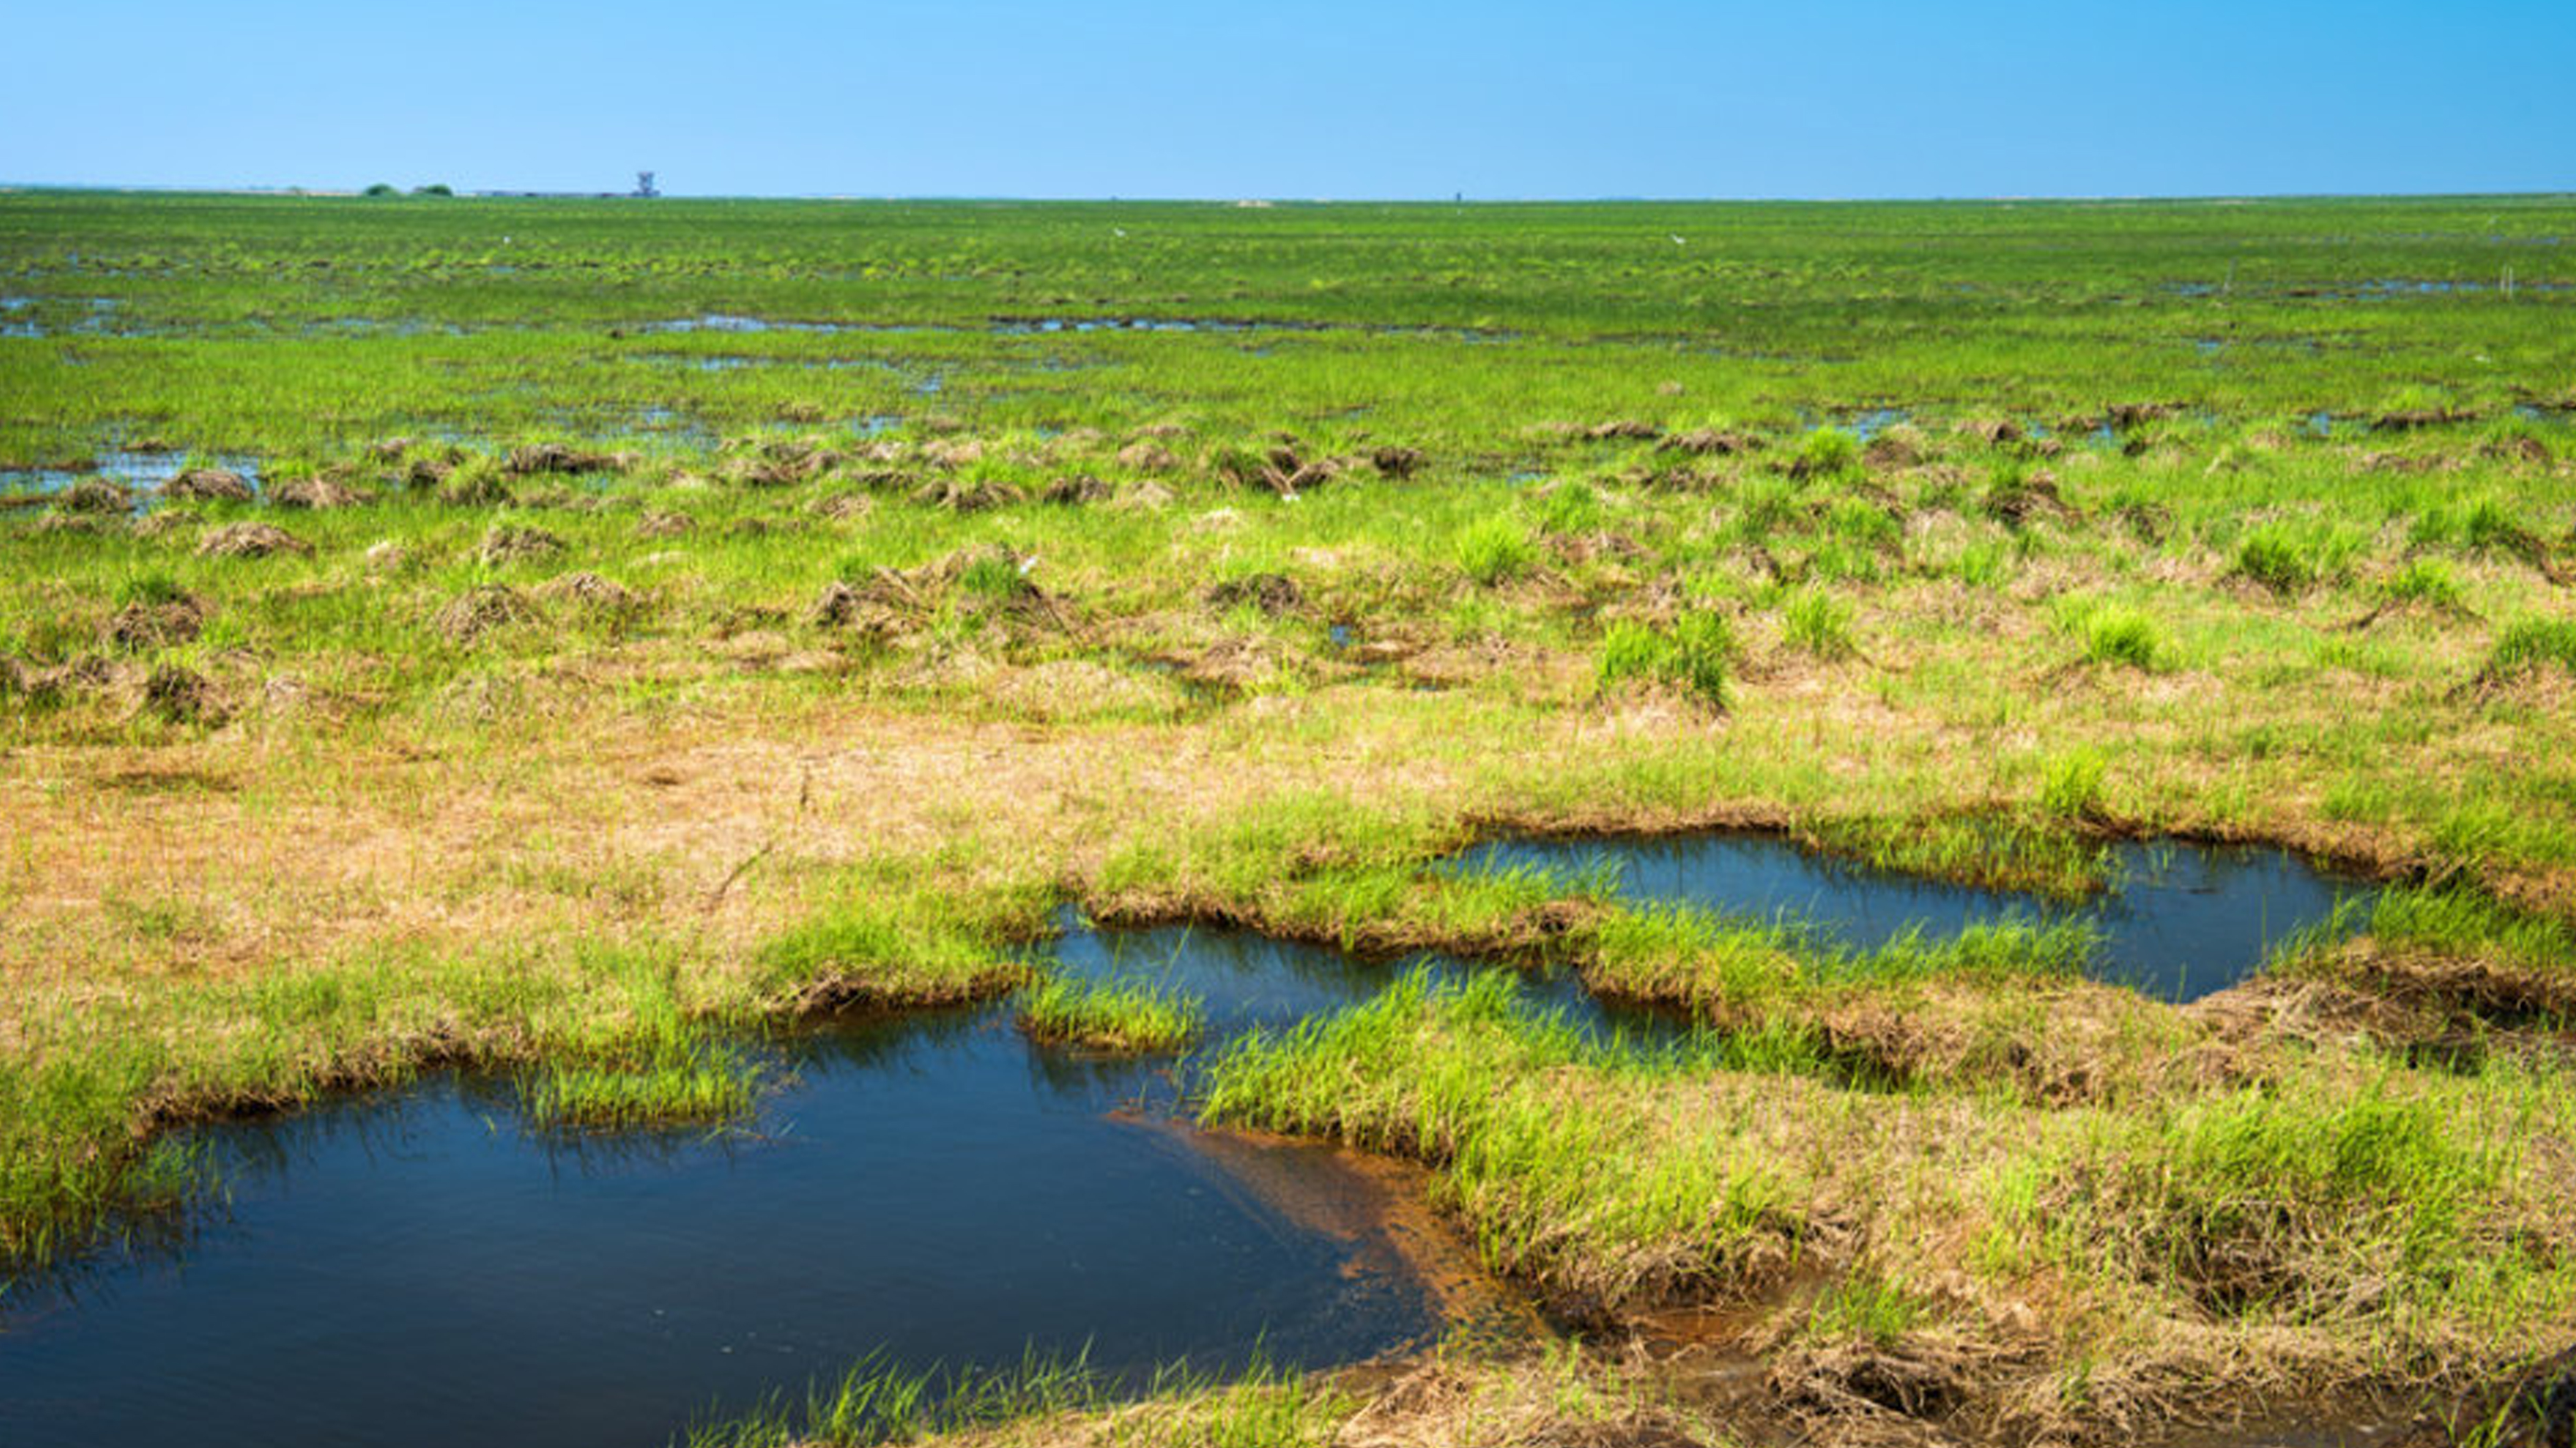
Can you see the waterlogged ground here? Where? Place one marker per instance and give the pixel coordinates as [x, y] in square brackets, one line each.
[545, 638]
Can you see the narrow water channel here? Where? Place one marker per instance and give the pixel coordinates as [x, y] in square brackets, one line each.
[2180, 920]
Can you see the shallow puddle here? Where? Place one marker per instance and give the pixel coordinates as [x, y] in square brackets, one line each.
[2181, 921]
[417, 1267]
[142, 470]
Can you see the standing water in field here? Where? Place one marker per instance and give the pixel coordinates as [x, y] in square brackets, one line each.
[143, 470]
[2179, 921]
[418, 1267]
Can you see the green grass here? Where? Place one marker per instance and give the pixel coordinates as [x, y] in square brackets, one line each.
[2070, 784]
[1450, 1075]
[1111, 1016]
[2529, 645]
[1494, 550]
[878, 1400]
[1870, 1310]
[2428, 582]
[2122, 637]
[1692, 655]
[2279, 559]
[1828, 452]
[1818, 623]
[664, 1084]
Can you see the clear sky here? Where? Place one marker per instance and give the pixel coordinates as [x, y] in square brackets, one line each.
[1138, 98]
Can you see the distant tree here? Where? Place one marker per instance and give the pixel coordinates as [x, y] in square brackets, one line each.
[435, 188]
[383, 188]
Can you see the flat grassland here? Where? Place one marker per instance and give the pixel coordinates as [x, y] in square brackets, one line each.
[538, 634]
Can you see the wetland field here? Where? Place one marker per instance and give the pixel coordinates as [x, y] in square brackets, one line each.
[1634, 825]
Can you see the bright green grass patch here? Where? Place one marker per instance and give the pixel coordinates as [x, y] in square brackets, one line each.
[1495, 549]
[2272, 1204]
[1989, 953]
[2044, 856]
[1460, 1076]
[2528, 645]
[2466, 924]
[1828, 452]
[1037, 1400]
[2289, 559]
[1111, 1016]
[2118, 636]
[1815, 622]
[894, 940]
[2070, 783]
[2428, 582]
[2122, 636]
[648, 1057]
[1692, 655]
[663, 1083]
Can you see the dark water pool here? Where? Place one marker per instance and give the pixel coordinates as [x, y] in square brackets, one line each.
[2183, 920]
[1249, 980]
[417, 1268]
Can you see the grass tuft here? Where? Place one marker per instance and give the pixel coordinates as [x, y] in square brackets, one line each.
[1817, 623]
[2528, 645]
[1692, 656]
[1495, 549]
[1124, 1017]
[2070, 784]
[2423, 582]
[661, 1084]
[2121, 637]
[1866, 1308]
[1039, 1400]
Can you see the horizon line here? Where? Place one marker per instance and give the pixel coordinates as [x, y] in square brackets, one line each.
[1256, 201]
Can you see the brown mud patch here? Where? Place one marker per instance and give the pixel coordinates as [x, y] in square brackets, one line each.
[1379, 1205]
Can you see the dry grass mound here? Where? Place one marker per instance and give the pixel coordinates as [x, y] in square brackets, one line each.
[250, 540]
[512, 544]
[480, 610]
[316, 493]
[208, 485]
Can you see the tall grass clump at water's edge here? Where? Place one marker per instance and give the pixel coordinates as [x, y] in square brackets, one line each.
[664, 1082]
[1039, 1400]
[1461, 1077]
[1110, 1016]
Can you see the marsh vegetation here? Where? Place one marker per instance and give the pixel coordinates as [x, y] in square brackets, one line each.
[562, 642]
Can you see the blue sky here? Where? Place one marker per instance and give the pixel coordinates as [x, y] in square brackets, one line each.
[1134, 98]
